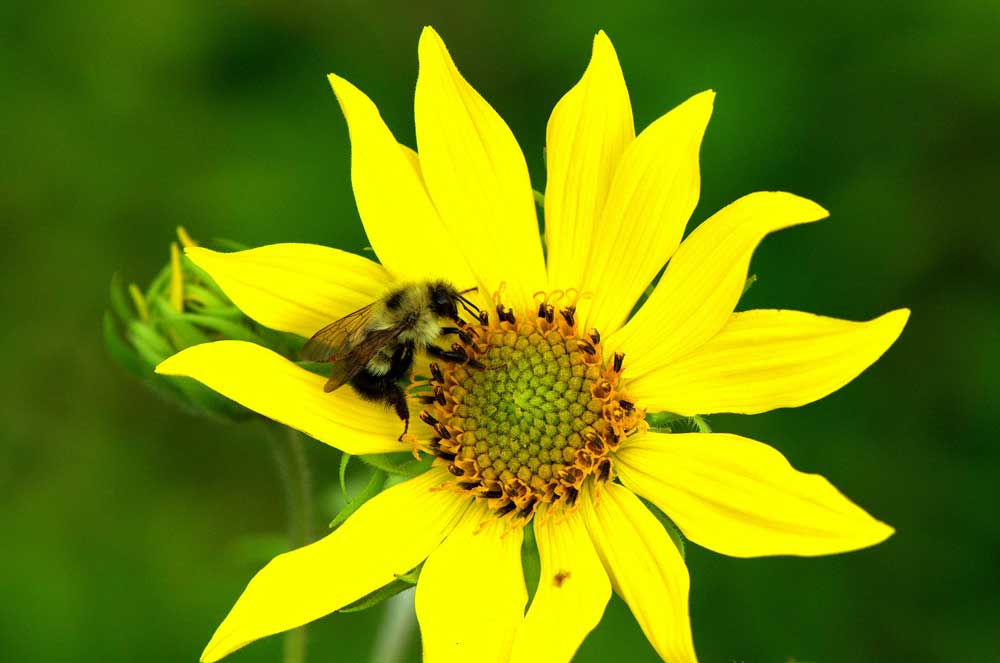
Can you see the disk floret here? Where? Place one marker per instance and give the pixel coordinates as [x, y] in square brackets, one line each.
[533, 415]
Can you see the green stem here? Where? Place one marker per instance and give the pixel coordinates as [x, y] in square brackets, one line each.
[296, 479]
[396, 631]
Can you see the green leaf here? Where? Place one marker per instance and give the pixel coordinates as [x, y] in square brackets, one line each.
[401, 583]
[675, 533]
[374, 487]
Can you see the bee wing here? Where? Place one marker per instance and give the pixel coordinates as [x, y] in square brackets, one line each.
[334, 341]
[359, 355]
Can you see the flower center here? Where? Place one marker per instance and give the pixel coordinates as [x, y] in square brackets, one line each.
[533, 414]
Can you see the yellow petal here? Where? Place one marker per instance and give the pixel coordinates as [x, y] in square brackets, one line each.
[269, 384]
[471, 595]
[645, 568]
[298, 288]
[387, 537]
[741, 498]
[700, 287]
[399, 218]
[586, 135]
[414, 160]
[477, 177]
[761, 360]
[654, 191]
[573, 590]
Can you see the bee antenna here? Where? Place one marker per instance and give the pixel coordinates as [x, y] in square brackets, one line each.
[469, 306]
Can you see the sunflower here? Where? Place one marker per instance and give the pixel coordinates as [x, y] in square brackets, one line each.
[548, 424]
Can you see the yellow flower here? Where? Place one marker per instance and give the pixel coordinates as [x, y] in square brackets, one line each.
[552, 428]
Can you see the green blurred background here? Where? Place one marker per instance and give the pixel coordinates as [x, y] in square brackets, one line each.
[128, 528]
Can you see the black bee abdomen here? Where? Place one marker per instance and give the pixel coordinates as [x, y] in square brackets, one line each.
[381, 389]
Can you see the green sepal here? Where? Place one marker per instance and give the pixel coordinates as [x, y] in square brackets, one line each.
[375, 485]
[748, 283]
[192, 396]
[668, 422]
[229, 312]
[152, 347]
[120, 351]
[408, 469]
[675, 533]
[120, 303]
[401, 583]
[662, 422]
[229, 330]
[181, 332]
[531, 561]
[140, 365]
[221, 244]
[345, 458]
[205, 402]
[160, 283]
[206, 297]
[202, 277]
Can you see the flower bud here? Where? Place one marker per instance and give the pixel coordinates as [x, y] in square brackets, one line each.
[181, 307]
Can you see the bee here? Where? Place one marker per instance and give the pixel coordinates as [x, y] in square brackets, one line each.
[372, 348]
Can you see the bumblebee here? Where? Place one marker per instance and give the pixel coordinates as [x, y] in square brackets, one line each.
[372, 348]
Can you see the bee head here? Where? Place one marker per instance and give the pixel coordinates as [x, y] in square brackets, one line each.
[443, 300]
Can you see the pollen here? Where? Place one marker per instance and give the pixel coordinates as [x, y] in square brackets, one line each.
[535, 412]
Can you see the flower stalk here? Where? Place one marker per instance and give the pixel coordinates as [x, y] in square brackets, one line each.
[300, 503]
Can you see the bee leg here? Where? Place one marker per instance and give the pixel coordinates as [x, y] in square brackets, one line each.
[447, 355]
[462, 334]
[400, 362]
[396, 397]
[383, 389]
